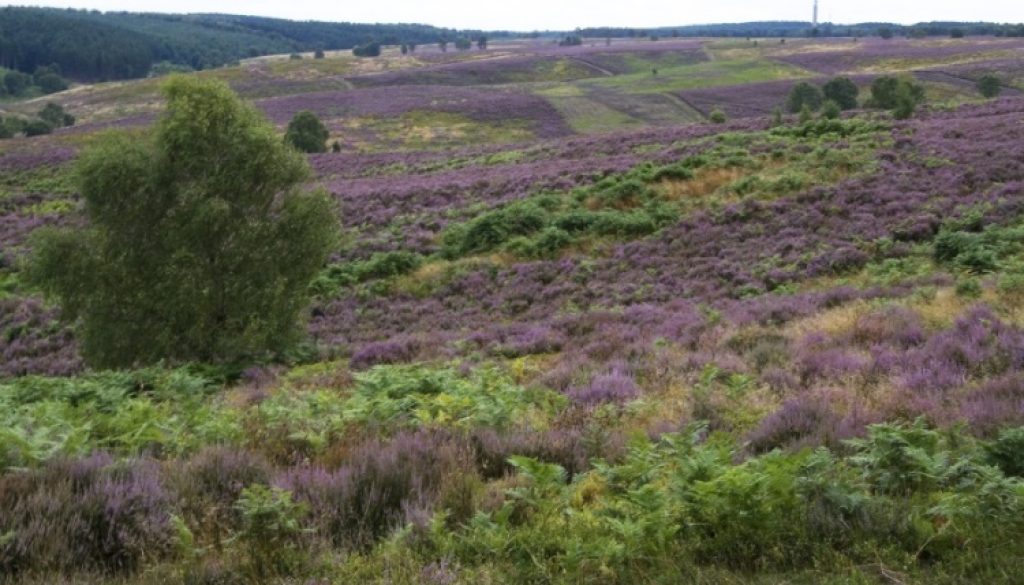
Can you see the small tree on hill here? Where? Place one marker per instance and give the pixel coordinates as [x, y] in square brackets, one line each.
[199, 245]
[481, 43]
[990, 86]
[463, 44]
[443, 45]
[307, 133]
[319, 54]
[885, 32]
[803, 95]
[843, 91]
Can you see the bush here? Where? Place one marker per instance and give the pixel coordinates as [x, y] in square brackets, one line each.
[50, 83]
[717, 116]
[215, 189]
[17, 83]
[270, 528]
[307, 133]
[831, 110]
[843, 91]
[370, 49]
[37, 128]
[54, 115]
[804, 95]
[989, 85]
[319, 54]
[90, 514]
[899, 95]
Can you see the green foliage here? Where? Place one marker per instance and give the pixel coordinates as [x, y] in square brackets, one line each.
[17, 83]
[270, 527]
[804, 95]
[37, 128]
[414, 396]
[900, 95]
[831, 110]
[717, 116]
[199, 246]
[54, 115]
[127, 413]
[843, 91]
[989, 85]
[463, 44]
[979, 251]
[307, 133]
[1007, 452]
[370, 49]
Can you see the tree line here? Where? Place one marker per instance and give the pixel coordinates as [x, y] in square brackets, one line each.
[96, 46]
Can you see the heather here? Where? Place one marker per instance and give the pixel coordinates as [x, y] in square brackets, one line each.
[572, 332]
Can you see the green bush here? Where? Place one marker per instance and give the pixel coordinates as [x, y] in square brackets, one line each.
[843, 91]
[804, 95]
[989, 85]
[717, 116]
[307, 133]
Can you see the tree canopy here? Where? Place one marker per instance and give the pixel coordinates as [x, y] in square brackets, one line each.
[199, 246]
[307, 133]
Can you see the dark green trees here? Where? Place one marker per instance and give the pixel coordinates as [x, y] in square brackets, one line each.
[803, 95]
[902, 96]
[843, 91]
[199, 245]
[307, 133]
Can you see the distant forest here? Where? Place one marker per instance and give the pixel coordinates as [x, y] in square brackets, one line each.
[96, 46]
[805, 29]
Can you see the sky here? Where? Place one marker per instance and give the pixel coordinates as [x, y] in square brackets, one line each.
[567, 14]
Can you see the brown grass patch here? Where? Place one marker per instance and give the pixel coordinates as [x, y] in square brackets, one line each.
[705, 183]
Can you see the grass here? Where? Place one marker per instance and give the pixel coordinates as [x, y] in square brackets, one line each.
[700, 75]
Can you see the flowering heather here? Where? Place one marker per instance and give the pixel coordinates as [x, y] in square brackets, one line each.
[485, 72]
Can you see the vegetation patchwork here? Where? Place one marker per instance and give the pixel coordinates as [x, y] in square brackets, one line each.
[441, 307]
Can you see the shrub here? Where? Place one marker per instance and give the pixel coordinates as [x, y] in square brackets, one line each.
[307, 133]
[90, 514]
[37, 128]
[378, 485]
[370, 49]
[989, 85]
[214, 189]
[1007, 452]
[318, 54]
[843, 91]
[50, 83]
[54, 115]
[899, 95]
[831, 110]
[270, 528]
[804, 95]
[717, 116]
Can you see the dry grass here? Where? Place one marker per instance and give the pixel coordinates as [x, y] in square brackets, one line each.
[705, 183]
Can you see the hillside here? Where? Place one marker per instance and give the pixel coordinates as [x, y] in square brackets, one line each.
[606, 313]
[91, 46]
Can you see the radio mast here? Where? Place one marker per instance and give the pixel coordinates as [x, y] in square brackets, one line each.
[815, 19]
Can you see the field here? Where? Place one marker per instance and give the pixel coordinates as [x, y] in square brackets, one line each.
[575, 332]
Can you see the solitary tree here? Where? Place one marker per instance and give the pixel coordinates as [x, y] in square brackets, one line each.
[902, 96]
[199, 244]
[307, 133]
[843, 91]
[319, 54]
[803, 95]
[989, 85]
[481, 43]
[463, 44]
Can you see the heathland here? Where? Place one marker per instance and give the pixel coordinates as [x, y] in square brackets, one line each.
[623, 311]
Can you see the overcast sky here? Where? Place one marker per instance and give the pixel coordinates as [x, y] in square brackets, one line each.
[567, 14]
